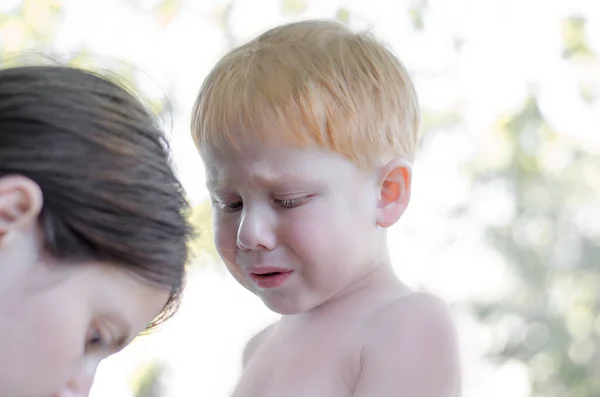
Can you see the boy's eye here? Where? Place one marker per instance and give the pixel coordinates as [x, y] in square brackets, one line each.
[292, 202]
[230, 207]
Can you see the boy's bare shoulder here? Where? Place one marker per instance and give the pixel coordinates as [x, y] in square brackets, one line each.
[410, 344]
[413, 317]
[254, 343]
[414, 309]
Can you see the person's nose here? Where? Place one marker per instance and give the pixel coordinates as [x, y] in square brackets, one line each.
[255, 231]
[80, 383]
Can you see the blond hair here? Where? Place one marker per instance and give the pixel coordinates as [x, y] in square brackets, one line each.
[311, 83]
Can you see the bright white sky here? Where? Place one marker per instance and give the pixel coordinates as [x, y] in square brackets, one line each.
[510, 46]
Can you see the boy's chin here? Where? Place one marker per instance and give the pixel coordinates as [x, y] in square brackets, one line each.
[283, 308]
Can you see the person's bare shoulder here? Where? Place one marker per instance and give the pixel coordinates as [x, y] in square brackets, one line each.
[254, 343]
[411, 345]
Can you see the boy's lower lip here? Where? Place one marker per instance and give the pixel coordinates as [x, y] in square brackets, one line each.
[270, 280]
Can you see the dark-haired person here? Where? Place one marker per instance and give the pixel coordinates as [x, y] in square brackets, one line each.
[93, 227]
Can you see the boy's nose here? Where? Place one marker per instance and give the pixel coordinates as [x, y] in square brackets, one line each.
[255, 232]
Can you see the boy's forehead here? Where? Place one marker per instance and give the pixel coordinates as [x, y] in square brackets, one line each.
[266, 154]
[272, 164]
[255, 153]
[266, 164]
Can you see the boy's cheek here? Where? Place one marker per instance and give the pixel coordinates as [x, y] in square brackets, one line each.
[225, 247]
[311, 225]
[225, 233]
[229, 259]
[238, 274]
[225, 242]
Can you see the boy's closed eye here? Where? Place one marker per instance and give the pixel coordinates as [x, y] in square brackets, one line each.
[292, 202]
[285, 203]
[227, 204]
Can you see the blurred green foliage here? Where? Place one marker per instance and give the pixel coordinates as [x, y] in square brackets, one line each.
[551, 245]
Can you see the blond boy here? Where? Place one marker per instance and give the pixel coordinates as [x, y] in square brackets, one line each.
[307, 134]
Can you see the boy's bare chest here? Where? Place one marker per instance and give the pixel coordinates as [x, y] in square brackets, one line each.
[309, 365]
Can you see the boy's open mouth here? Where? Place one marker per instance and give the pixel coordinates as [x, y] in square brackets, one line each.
[270, 279]
[266, 274]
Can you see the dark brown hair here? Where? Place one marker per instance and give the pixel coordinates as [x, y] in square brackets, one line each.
[103, 165]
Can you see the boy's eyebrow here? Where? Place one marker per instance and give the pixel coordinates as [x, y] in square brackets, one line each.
[294, 178]
[217, 184]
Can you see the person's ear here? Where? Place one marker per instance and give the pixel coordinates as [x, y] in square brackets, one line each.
[394, 191]
[20, 204]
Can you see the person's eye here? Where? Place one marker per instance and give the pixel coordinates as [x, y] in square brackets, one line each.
[231, 206]
[227, 205]
[96, 340]
[291, 202]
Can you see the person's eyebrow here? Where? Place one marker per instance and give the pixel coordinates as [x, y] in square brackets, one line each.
[215, 184]
[218, 184]
[123, 329]
[279, 179]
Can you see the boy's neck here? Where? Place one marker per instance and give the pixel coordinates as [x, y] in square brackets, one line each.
[376, 285]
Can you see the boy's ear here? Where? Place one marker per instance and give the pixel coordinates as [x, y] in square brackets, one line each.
[394, 195]
[20, 204]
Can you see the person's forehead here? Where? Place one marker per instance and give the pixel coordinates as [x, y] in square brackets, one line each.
[259, 153]
[118, 291]
[277, 166]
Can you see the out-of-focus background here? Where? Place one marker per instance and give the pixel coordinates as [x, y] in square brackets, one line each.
[504, 222]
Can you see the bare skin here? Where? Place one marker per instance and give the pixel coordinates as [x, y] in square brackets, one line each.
[344, 347]
[349, 327]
